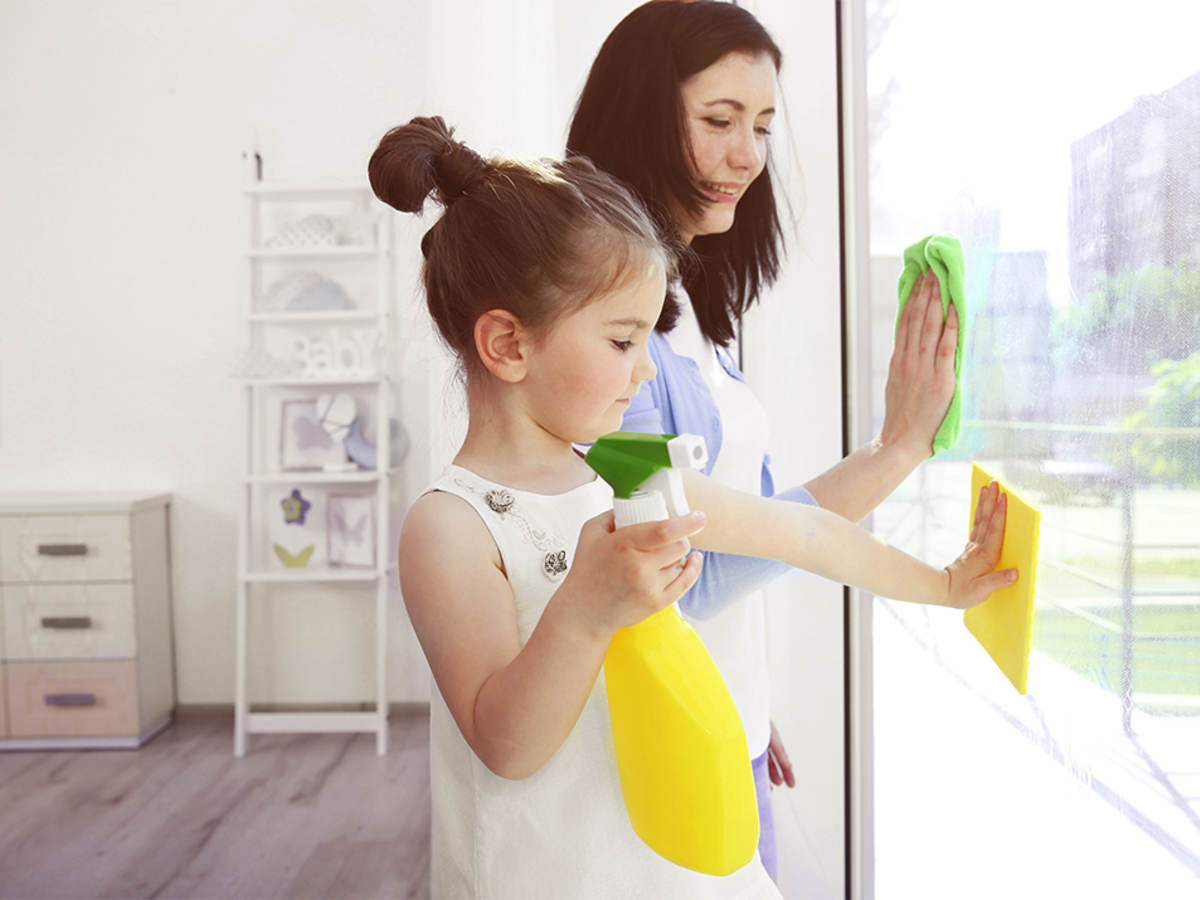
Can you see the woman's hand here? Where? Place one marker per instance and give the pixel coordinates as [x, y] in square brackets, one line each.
[779, 767]
[920, 381]
[622, 575]
[972, 579]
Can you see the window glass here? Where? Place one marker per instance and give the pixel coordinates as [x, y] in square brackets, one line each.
[1061, 143]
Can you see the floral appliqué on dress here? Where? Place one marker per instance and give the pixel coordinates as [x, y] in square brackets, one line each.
[555, 564]
[499, 501]
[504, 504]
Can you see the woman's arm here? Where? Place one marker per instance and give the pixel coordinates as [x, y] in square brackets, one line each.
[516, 705]
[919, 389]
[819, 541]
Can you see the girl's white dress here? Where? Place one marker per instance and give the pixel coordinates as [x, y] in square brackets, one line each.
[563, 832]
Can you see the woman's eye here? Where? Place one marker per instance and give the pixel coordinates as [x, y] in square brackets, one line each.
[762, 130]
[717, 123]
[622, 345]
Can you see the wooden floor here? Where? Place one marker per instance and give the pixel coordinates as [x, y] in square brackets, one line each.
[298, 816]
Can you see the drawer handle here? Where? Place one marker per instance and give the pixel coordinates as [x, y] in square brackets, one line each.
[62, 549]
[70, 699]
[67, 622]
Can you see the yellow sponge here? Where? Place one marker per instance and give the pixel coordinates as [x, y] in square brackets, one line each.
[1004, 622]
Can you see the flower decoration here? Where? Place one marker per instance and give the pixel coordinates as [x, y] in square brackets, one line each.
[499, 501]
[556, 563]
[295, 508]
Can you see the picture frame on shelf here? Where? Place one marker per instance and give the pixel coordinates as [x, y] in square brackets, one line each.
[304, 442]
[350, 527]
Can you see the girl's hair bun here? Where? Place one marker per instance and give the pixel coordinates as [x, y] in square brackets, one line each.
[421, 158]
[538, 238]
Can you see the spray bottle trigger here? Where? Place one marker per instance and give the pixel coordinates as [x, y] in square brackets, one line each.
[687, 451]
[669, 483]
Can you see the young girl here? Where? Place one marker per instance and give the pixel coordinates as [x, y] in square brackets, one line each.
[547, 280]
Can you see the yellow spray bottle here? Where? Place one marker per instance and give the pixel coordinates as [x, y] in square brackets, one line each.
[680, 744]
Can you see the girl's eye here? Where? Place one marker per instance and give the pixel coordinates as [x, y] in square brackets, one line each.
[717, 123]
[763, 130]
[622, 345]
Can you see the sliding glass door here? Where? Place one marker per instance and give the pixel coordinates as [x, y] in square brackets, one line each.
[1060, 142]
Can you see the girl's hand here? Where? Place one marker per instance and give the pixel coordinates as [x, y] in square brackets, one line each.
[971, 576]
[621, 576]
[920, 381]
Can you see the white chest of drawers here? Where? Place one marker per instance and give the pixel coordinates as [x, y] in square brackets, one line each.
[86, 657]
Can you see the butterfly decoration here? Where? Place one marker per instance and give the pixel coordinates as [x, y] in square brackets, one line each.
[352, 535]
[296, 561]
[295, 508]
[351, 527]
[310, 434]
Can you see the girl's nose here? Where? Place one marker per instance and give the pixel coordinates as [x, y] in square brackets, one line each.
[644, 369]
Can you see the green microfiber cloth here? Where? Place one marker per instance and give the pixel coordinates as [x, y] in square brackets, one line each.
[944, 254]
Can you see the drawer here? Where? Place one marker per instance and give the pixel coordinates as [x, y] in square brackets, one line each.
[68, 621]
[65, 548]
[72, 699]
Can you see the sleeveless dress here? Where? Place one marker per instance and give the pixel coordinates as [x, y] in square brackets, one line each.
[562, 833]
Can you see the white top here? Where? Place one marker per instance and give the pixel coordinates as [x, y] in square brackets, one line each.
[736, 636]
[562, 832]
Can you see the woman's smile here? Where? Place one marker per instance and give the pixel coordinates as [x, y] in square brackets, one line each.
[723, 192]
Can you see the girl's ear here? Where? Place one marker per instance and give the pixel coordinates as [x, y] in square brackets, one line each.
[502, 343]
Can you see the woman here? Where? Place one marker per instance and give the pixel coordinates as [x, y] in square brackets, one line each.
[678, 105]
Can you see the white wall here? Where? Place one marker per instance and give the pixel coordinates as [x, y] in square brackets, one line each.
[124, 281]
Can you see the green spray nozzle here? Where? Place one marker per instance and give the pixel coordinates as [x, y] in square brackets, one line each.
[635, 464]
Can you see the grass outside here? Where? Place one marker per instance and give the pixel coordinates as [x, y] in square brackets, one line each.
[1167, 667]
[1110, 564]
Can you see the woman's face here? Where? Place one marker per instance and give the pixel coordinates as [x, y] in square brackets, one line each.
[728, 108]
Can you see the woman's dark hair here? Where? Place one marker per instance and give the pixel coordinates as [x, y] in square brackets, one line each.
[630, 122]
[538, 238]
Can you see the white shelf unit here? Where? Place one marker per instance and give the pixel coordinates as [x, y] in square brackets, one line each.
[366, 263]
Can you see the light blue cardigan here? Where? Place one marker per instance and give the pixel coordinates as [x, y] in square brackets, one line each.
[677, 401]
